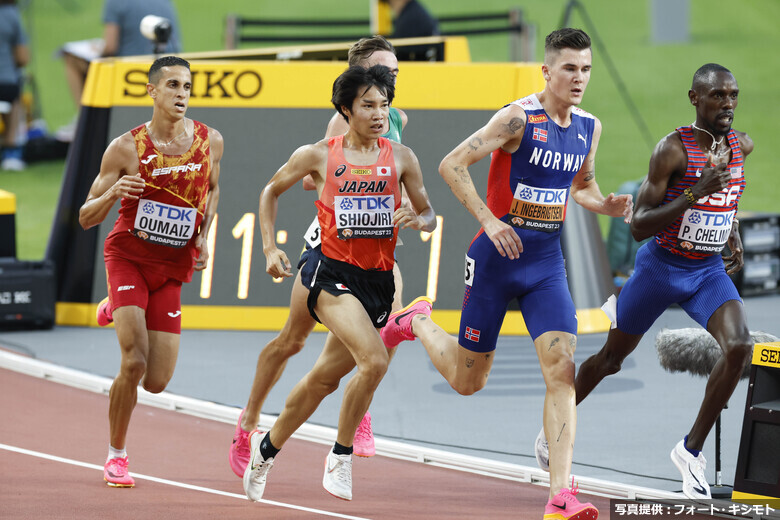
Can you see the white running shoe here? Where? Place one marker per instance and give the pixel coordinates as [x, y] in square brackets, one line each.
[542, 451]
[257, 470]
[338, 475]
[695, 484]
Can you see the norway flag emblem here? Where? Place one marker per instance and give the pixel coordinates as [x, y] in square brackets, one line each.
[540, 135]
[472, 334]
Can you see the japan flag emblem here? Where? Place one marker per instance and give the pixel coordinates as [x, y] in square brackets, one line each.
[383, 171]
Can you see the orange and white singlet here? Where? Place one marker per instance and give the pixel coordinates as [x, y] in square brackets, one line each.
[356, 207]
[160, 227]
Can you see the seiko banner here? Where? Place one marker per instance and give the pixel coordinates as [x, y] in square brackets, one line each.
[265, 110]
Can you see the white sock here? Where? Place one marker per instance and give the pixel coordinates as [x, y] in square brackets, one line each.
[114, 453]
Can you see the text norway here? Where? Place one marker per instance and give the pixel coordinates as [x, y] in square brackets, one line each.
[549, 159]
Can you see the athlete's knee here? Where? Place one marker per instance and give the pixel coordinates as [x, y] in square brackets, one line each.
[469, 387]
[133, 366]
[322, 385]
[560, 371]
[155, 385]
[611, 363]
[606, 362]
[285, 345]
[374, 368]
[737, 351]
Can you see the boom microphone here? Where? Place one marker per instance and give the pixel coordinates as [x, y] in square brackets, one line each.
[695, 351]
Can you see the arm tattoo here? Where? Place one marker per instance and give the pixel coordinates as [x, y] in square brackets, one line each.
[463, 175]
[469, 362]
[475, 143]
[515, 124]
[590, 174]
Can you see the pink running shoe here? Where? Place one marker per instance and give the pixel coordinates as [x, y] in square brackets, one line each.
[103, 313]
[115, 473]
[239, 451]
[363, 445]
[564, 506]
[399, 324]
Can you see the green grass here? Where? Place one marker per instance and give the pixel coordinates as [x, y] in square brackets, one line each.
[742, 36]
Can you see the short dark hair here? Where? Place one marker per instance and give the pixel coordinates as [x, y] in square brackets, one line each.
[165, 61]
[362, 49]
[348, 85]
[702, 75]
[566, 38]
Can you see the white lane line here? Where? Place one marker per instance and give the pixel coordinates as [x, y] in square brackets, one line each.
[325, 436]
[139, 476]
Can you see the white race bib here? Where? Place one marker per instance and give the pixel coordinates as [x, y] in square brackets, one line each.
[164, 224]
[704, 231]
[469, 274]
[541, 209]
[313, 235]
[364, 216]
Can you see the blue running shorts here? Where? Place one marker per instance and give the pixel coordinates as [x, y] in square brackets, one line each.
[307, 264]
[537, 280]
[662, 278]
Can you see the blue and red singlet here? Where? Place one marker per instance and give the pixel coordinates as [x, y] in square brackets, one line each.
[705, 227]
[529, 188]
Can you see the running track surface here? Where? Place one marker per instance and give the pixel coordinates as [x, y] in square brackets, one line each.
[54, 440]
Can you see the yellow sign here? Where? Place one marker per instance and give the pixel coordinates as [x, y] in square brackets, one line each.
[271, 84]
[767, 354]
[7, 203]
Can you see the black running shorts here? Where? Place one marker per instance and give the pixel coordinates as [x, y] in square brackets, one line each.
[373, 289]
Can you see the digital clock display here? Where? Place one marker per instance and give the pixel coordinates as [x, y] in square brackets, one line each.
[257, 143]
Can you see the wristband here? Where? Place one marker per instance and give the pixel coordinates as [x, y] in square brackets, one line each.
[689, 196]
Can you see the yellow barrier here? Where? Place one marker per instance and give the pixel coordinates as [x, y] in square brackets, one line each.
[7, 203]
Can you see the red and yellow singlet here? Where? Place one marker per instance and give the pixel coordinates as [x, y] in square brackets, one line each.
[160, 227]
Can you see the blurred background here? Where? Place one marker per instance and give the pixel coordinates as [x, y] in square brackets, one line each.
[642, 69]
[742, 36]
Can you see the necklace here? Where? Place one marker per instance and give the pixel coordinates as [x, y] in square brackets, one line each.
[715, 143]
[183, 132]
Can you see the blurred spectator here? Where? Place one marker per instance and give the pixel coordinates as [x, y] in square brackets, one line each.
[411, 19]
[14, 54]
[121, 37]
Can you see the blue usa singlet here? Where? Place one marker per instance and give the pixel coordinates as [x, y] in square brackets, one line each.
[683, 264]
